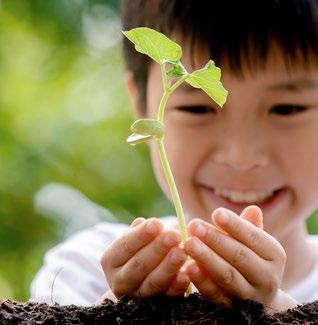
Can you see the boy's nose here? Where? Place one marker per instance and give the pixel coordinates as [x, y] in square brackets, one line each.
[242, 151]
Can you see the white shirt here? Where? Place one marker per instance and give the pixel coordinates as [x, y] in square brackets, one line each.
[72, 274]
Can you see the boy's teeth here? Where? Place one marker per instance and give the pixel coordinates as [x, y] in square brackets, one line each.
[244, 197]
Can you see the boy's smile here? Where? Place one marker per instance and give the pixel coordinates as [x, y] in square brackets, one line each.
[259, 149]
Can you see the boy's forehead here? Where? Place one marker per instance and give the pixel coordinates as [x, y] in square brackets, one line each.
[194, 52]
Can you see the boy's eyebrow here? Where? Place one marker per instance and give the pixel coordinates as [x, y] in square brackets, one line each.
[295, 85]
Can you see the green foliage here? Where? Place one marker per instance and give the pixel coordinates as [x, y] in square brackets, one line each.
[156, 45]
[145, 130]
[312, 223]
[177, 70]
[165, 51]
[208, 79]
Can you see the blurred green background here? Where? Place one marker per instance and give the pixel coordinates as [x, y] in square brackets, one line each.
[64, 118]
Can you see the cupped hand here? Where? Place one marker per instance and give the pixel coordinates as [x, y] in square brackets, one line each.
[235, 258]
[146, 261]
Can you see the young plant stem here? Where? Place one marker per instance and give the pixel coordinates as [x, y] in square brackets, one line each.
[173, 189]
[166, 52]
[167, 91]
[175, 196]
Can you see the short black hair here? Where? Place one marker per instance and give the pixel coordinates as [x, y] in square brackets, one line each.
[238, 32]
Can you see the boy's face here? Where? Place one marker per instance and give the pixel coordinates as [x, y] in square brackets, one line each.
[261, 148]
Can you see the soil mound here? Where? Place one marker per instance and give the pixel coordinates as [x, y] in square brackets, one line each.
[154, 310]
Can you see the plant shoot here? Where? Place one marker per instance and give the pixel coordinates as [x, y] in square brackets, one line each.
[168, 54]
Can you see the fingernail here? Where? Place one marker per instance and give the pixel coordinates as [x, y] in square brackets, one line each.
[137, 222]
[200, 230]
[169, 240]
[195, 270]
[152, 226]
[196, 247]
[182, 278]
[223, 217]
[176, 257]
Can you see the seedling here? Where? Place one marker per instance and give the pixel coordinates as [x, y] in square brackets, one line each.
[167, 54]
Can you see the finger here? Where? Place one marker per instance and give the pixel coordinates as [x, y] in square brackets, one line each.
[161, 278]
[259, 241]
[122, 249]
[247, 262]
[254, 215]
[136, 270]
[205, 284]
[222, 273]
[107, 295]
[179, 285]
[137, 221]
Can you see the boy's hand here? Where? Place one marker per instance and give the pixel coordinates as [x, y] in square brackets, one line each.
[234, 258]
[146, 261]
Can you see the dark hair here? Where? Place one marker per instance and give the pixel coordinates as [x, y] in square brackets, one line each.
[239, 33]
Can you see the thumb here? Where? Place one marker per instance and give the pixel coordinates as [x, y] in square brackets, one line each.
[254, 215]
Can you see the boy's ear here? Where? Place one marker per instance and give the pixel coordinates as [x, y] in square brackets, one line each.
[133, 94]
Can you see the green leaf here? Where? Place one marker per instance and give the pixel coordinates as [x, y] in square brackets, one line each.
[135, 138]
[208, 79]
[145, 130]
[148, 126]
[154, 44]
[177, 70]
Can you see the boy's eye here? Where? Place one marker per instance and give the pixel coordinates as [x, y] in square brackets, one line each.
[196, 109]
[288, 109]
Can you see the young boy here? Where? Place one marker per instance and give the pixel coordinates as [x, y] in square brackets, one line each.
[259, 150]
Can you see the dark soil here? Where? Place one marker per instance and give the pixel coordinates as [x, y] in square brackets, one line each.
[154, 310]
